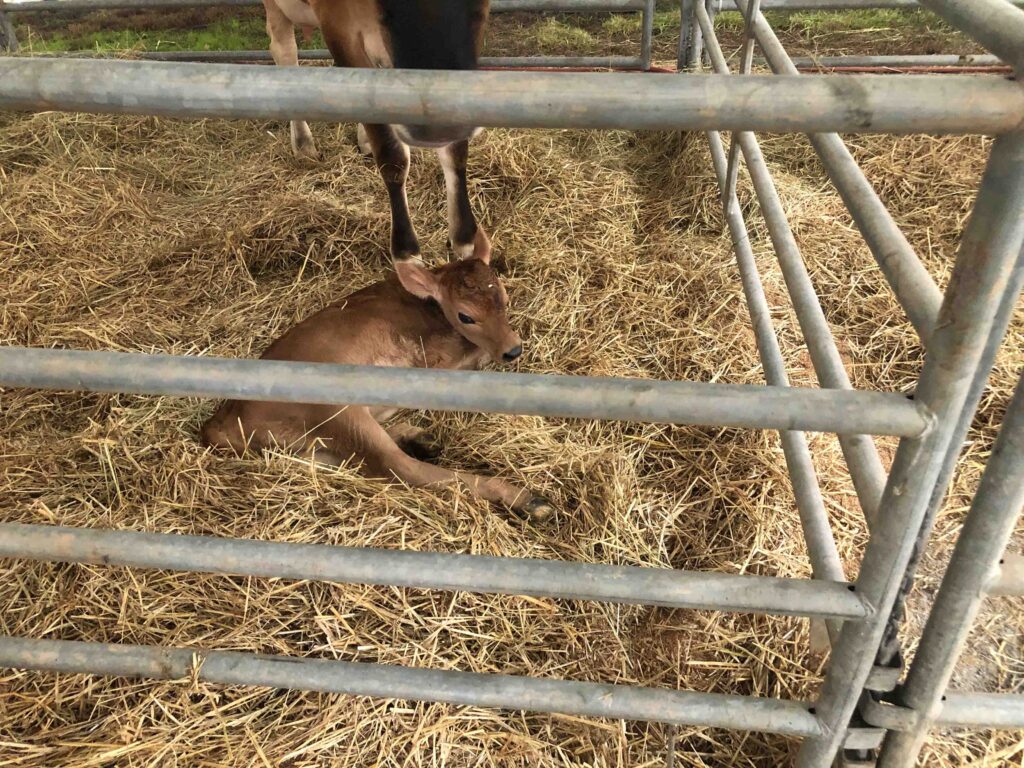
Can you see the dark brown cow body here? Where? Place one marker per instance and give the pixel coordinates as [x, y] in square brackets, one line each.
[409, 34]
[453, 316]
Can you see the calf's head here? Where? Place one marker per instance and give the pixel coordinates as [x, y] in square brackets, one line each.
[433, 34]
[473, 300]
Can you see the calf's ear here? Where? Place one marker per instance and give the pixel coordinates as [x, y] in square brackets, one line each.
[482, 246]
[417, 279]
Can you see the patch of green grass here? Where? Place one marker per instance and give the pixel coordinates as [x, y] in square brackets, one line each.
[629, 23]
[849, 21]
[224, 35]
[556, 36]
[827, 22]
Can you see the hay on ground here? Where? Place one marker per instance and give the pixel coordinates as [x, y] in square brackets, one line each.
[145, 234]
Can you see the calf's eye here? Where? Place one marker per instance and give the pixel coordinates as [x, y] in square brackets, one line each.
[466, 319]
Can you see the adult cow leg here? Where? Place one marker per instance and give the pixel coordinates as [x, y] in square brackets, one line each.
[392, 158]
[286, 54]
[466, 237]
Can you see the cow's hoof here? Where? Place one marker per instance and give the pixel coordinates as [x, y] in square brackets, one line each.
[303, 146]
[306, 152]
[363, 142]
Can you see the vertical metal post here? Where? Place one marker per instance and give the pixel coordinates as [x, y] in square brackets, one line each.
[686, 25]
[8, 40]
[986, 531]
[647, 35]
[889, 649]
[732, 170]
[696, 57]
[989, 249]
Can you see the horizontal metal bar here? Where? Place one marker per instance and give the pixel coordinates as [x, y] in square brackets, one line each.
[567, 6]
[670, 402]
[583, 62]
[914, 288]
[394, 682]
[433, 570]
[497, 6]
[884, 714]
[1009, 579]
[981, 710]
[322, 54]
[996, 24]
[898, 103]
[35, 6]
[839, 5]
[899, 60]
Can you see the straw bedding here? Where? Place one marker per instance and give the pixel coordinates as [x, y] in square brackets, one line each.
[145, 234]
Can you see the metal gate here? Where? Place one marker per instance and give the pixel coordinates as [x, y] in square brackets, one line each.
[960, 330]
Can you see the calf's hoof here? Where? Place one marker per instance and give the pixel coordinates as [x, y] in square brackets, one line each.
[424, 446]
[539, 509]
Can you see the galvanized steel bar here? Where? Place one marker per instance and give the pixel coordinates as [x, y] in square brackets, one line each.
[433, 570]
[568, 6]
[581, 62]
[897, 61]
[686, 24]
[889, 649]
[818, 536]
[859, 450]
[497, 6]
[587, 397]
[746, 59]
[515, 99]
[35, 6]
[647, 34]
[395, 682]
[913, 287]
[983, 538]
[989, 249]
[695, 55]
[8, 38]
[844, 5]
[322, 54]
[981, 710]
[996, 24]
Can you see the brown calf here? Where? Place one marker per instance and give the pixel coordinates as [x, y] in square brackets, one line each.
[408, 34]
[453, 316]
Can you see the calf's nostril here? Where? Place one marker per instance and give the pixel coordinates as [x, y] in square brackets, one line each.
[513, 353]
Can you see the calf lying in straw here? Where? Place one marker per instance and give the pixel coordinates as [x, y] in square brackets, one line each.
[452, 316]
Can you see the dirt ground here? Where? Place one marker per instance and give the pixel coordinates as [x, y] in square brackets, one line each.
[206, 237]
